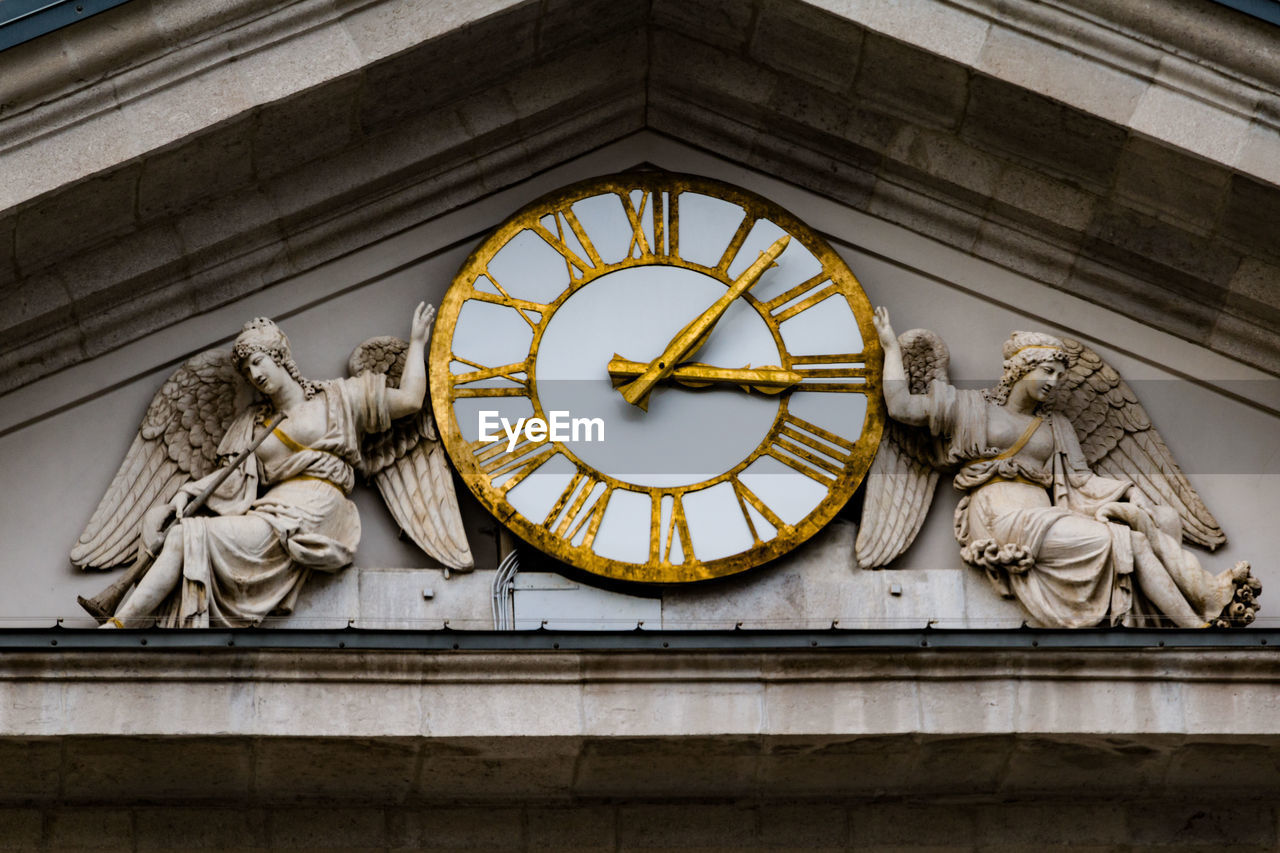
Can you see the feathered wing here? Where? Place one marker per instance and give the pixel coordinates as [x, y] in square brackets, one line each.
[903, 476]
[409, 467]
[177, 442]
[1119, 441]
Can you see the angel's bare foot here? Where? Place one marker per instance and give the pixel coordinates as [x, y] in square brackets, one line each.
[1243, 607]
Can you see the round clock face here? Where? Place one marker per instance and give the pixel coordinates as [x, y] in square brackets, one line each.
[657, 377]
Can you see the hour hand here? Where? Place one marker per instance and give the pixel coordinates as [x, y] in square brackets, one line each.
[690, 339]
[766, 380]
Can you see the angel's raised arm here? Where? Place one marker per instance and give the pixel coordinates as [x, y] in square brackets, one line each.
[408, 397]
[902, 404]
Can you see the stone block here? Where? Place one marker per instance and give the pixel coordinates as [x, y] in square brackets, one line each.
[20, 828]
[1044, 825]
[293, 770]
[297, 130]
[50, 348]
[1120, 290]
[1175, 258]
[906, 203]
[580, 829]
[1250, 341]
[1169, 185]
[567, 25]
[808, 43]
[394, 598]
[1252, 210]
[1106, 767]
[207, 828]
[97, 767]
[329, 828]
[802, 826]
[1202, 823]
[726, 25]
[833, 167]
[665, 767]
[711, 77]
[227, 223]
[89, 827]
[690, 826]
[456, 828]
[913, 825]
[905, 81]
[1168, 112]
[8, 256]
[211, 164]
[1043, 201]
[382, 30]
[328, 600]
[620, 710]
[1059, 72]
[473, 60]
[1024, 251]
[1260, 155]
[110, 326]
[29, 771]
[497, 769]
[83, 215]
[1039, 131]
[965, 171]
[27, 303]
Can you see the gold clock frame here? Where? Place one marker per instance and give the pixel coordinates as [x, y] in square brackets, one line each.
[474, 460]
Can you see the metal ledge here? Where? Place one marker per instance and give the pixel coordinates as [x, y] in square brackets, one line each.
[60, 639]
[23, 20]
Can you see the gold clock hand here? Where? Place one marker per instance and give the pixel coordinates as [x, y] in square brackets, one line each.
[766, 380]
[691, 338]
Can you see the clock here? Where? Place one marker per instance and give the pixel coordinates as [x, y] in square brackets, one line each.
[657, 377]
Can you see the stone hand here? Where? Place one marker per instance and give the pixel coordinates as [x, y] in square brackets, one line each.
[423, 315]
[691, 338]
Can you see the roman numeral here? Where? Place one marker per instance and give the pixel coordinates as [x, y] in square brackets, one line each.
[523, 307]
[580, 505]
[666, 239]
[517, 373]
[735, 244]
[746, 498]
[673, 535]
[496, 462]
[847, 370]
[784, 306]
[810, 449]
[577, 266]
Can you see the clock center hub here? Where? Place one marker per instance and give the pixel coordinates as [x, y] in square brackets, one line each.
[687, 435]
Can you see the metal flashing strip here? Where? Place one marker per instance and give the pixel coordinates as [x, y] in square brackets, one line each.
[23, 20]
[359, 639]
[1266, 10]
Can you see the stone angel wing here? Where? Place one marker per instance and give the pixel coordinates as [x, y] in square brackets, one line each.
[177, 442]
[1119, 441]
[407, 463]
[903, 476]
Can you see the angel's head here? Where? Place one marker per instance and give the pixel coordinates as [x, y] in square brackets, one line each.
[261, 351]
[1033, 363]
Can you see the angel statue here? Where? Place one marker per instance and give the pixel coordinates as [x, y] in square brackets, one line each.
[272, 461]
[1072, 503]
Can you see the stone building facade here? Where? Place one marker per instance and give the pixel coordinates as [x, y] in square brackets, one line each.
[1099, 169]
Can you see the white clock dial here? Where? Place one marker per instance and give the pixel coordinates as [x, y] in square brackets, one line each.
[740, 451]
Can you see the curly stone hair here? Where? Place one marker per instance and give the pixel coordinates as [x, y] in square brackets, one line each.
[262, 335]
[1023, 352]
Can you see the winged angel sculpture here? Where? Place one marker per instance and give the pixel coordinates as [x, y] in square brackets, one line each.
[1073, 504]
[283, 510]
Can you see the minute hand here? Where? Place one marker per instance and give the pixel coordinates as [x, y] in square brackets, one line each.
[692, 336]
